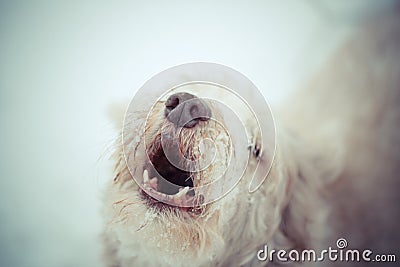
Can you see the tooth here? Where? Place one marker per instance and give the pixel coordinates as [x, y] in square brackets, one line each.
[153, 183]
[145, 176]
[182, 192]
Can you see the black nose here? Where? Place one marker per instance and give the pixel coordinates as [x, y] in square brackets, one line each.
[186, 110]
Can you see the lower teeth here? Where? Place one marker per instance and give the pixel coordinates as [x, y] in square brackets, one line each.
[150, 186]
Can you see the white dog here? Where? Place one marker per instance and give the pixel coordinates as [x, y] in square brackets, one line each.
[335, 171]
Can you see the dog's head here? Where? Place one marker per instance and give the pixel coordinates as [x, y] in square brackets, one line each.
[184, 190]
[185, 151]
[177, 190]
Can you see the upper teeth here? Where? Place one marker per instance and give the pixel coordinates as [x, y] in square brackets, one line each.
[145, 176]
[182, 192]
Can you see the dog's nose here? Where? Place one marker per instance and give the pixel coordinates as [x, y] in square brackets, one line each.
[186, 110]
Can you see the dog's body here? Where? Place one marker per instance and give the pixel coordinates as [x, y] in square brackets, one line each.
[334, 174]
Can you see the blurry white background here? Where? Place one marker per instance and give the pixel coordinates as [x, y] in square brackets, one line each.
[63, 64]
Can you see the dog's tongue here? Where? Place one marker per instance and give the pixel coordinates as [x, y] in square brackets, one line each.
[182, 198]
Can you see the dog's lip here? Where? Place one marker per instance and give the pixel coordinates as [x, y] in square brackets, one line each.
[182, 198]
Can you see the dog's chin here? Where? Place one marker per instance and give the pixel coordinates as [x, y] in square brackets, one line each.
[177, 227]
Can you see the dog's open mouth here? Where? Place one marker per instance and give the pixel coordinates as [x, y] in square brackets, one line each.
[176, 154]
[170, 177]
[166, 183]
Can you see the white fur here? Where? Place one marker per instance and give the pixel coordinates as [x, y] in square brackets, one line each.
[334, 175]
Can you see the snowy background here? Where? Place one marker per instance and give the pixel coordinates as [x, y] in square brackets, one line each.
[63, 64]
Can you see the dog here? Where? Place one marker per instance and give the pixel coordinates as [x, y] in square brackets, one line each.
[334, 172]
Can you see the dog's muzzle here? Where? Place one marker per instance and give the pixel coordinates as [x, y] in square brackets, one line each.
[166, 176]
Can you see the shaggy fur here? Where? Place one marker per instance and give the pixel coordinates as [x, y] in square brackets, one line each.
[335, 173]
